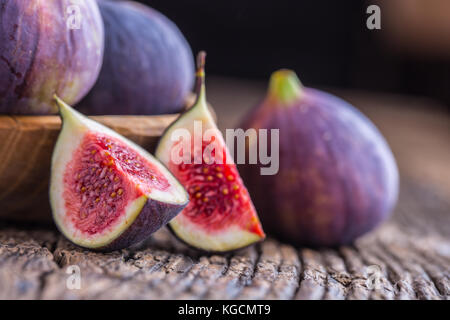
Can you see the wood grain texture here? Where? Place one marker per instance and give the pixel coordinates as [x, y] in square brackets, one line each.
[25, 154]
[410, 253]
[413, 263]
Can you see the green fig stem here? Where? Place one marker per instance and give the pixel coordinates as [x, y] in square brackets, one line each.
[285, 87]
[200, 80]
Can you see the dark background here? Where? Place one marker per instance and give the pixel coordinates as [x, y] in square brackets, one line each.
[325, 41]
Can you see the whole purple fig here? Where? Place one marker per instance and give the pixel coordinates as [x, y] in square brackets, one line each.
[337, 176]
[148, 65]
[48, 47]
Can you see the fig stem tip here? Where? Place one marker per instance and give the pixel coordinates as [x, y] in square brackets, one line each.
[284, 86]
[201, 57]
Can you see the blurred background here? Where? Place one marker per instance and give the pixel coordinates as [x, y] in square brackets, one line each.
[325, 41]
[399, 76]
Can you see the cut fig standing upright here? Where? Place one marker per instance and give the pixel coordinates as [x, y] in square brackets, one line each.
[221, 216]
[106, 192]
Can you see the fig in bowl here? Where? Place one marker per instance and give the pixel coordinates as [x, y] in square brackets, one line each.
[48, 47]
[148, 65]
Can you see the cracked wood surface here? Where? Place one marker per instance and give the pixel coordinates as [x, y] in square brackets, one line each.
[408, 257]
[409, 253]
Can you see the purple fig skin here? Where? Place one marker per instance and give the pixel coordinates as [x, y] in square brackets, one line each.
[337, 176]
[40, 55]
[148, 65]
[153, 217]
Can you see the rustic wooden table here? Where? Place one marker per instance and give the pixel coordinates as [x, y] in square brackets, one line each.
[409, 255]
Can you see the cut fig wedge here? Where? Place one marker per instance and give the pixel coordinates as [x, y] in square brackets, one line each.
[220, 216]
[106, 192]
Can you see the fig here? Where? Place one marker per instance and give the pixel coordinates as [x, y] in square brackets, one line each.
[106, 192]
[220, 216]
[148, 65]
[337, 176]
[47, 47]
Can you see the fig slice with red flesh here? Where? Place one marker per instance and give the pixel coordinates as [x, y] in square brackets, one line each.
[106, 192]
[220, 216]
